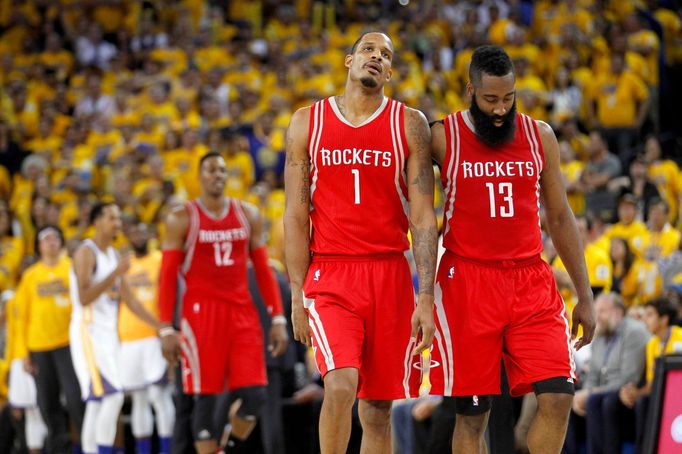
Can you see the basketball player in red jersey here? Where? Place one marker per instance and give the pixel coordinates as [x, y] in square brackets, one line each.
[353, 162]
[495, 297]
[208, 244]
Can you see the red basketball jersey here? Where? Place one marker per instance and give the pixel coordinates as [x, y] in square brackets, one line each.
[357, 181]
[492, 195]
[217, 250]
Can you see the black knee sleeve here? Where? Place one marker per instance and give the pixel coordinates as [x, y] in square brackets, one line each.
[472, 405]
[203, 425]
[557, 385]
[253, 398]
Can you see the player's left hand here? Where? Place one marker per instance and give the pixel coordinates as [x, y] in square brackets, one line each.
[170, 346]
[422, 322]
[583, 315]
[278, 340]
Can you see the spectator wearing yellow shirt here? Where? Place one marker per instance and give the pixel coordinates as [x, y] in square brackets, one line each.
[628, 226]
[598, 262]
[664, 173]
[660, 317]
[637, 280]
[55, 56]
[240, 168]
[11, 249]
[571, 171]
[43, 296]
[620, 104]
[662, 239]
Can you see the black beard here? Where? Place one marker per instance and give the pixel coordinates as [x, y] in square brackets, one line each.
[140, 250]
[487, 132]
[368, 82]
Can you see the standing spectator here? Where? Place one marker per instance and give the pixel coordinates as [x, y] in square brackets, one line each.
[619, 104]
[43, 296]
[94, 102]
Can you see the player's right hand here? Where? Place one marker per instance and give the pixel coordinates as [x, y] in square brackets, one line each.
[299, 321]
[170, 347]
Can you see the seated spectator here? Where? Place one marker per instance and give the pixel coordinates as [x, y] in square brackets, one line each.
[617, 359]
[601, 167]
[636, 183]
[92, 50]
[660, 316]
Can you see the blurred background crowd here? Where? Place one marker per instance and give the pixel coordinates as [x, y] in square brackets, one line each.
[118, 99]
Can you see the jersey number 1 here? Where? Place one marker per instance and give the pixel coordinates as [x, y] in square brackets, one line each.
[504, 189]
[222, 252]
[356, 184]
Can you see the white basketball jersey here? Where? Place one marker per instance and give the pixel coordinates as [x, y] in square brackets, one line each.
[103, 312]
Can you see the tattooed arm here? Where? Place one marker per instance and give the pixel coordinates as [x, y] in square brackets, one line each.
[422, 218]
[296, 218]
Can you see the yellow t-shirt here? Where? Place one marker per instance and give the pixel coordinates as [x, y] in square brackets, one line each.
[654, 350]
[143, 278]
[617, 98]
[633, 233]
[45, 305]
[665, 175]
[15, 347]
[240, 175]
[11, 252]
[642, 283]
[571, 171]
[666, 241]
[599, 267]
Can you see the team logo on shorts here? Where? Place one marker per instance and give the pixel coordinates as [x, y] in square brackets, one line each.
[316, 276]
[475, 398]
[451, 272]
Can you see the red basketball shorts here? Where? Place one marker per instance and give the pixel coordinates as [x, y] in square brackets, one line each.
[222, 346]
[489, 312]
[359, 311]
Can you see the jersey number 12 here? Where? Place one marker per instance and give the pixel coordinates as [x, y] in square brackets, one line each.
[507, 209]
[222, 252]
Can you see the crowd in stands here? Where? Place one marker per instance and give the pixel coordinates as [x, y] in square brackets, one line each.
[118, 99]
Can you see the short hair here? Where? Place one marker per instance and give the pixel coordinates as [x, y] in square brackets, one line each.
[98, 210]
[45, 228]
[209, 155]
[357, 42]
[491, 60]
[659, 201]
[664, 307]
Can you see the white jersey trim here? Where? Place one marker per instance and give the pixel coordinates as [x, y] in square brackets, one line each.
[398, 150]
[444, 339]
[337, 112]
[192, 235]
[453, 169]
[318, 124]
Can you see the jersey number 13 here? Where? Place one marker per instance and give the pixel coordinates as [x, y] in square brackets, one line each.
[506, 209]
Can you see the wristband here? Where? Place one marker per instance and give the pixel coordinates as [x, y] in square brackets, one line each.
[166, 331]
[279, 320]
